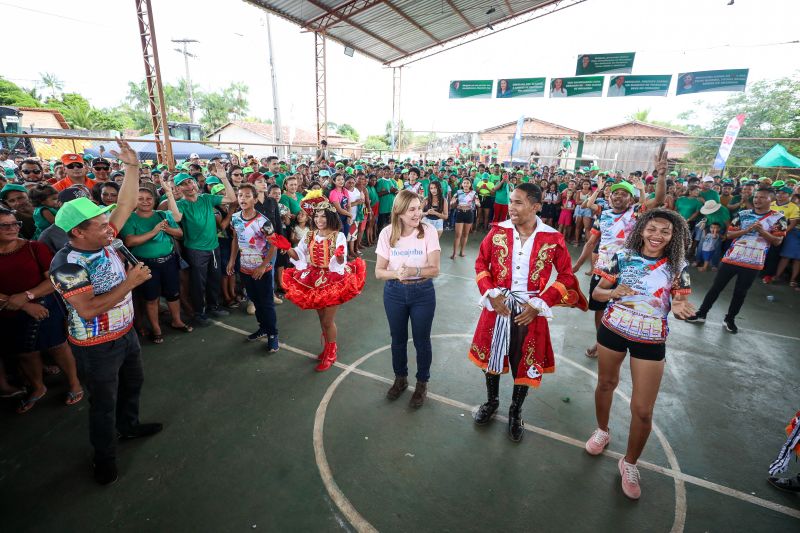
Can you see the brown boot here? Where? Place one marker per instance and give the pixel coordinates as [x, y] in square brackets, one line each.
[400, 384]
[418, 398]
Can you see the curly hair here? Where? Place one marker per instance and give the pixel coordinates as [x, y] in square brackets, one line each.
[676, 248]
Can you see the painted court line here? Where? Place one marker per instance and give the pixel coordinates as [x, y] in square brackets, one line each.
[675, 474]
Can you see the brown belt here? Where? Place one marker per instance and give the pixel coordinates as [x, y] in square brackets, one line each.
[411, 281]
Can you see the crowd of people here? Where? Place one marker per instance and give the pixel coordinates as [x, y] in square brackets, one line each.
[95, 253]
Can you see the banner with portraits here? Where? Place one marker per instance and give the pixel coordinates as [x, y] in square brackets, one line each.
[629, 85]
[471, 89]
[605, 63]
[576, 87]
[520, 87]
[712, 80]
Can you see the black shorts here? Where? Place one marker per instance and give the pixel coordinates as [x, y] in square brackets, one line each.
[594, 305]
[21, 333]
[487, 202]
[465, 217]
[384, 219]
[165, 280]
[639, 350]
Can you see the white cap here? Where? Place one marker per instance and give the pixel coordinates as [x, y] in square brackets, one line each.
[194, 156]
[706, 179]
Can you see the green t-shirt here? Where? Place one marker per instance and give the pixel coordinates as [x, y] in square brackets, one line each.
[501, 195]
[562, 186]
[373, 195]
[386, 201]
[159, 246]
[291, 202]
[688, 206]
[721, 216]
[199, 225]
[710, 194]
[279, 179]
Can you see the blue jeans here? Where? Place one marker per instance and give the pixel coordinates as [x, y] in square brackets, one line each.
[416, 301]
[260, 293]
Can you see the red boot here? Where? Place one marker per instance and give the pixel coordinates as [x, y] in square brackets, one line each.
[328, 358]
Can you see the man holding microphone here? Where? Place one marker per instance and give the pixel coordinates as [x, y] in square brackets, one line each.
[96, 285]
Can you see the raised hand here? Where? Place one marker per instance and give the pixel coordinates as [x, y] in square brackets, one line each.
[662, 163]
[126, 153]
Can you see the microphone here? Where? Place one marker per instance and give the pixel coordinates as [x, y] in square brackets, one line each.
[119, 246]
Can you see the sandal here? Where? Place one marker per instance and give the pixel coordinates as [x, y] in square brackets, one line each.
[185, 328]
[591, 353]
[157, 338]
[30, 403]
[13, 393]
[51, 370]
[74, 397]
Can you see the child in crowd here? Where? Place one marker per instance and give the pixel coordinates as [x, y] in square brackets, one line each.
[45, 202]
[300, 229]
[565, 218]
[710, 246]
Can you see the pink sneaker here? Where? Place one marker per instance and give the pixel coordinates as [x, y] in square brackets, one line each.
[630, 479]
[597, 442]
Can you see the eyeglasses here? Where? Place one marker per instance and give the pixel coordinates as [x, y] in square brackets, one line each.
[106, 169]
[237, 174]
[75, 165]
[11, 225]
[37, 171]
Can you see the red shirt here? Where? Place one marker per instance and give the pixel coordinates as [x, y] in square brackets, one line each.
[23, 269]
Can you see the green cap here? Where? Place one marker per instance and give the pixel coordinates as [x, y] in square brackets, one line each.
[673, 173]
[359, 167]
[404, 171]
[339, 164]
[211, 180]
[778, 184]
[787, 190]
[763, 178]
[593, 167]
[216, 189]
[349, 170]
[623, 185]
[11, 187]
[520, 172]
[247, 170]
[180, 178]
[324, 173]
[791, 181]
[9, 173]
[79, 210]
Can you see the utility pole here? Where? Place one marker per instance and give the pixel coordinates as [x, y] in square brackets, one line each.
[276, 120]
[186, 56]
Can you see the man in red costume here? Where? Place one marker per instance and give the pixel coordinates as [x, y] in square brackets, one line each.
[513, 272]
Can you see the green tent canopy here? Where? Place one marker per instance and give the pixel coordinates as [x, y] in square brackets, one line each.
[778, 157]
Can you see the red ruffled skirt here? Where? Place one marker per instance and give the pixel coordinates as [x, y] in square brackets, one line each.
[317, 288]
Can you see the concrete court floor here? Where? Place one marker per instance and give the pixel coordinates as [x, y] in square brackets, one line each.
[238, 449]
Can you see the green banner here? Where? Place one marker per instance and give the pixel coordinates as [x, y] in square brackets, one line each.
[520, 88]
[638, 85]
[604, 63]
[712, 80]
[471, 89]
[583, 86]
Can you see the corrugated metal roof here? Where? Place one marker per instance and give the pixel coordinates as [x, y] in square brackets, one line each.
[392, 30]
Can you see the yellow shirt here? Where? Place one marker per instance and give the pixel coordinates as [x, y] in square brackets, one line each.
[790, 210]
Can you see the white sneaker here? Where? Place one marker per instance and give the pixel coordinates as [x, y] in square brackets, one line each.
[251, 308]
[630, 479]
[597, 442]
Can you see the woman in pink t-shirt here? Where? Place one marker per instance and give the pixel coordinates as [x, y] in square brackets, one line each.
[408, 258]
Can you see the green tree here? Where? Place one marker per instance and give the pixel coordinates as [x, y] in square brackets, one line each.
[11, 94]
[641, 115]
[404, 136]
[51, 81]
[375, 142]
[348, 131]
[772, 109]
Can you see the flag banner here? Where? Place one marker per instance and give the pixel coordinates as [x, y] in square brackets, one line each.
[712, 80]
[638, 85]
[520, 87]
[583, 86]
[726, 145]
[517, 135]
[471, 89]
[605, 63]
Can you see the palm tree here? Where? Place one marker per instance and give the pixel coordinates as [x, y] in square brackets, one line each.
[641, 115]
[51, 81]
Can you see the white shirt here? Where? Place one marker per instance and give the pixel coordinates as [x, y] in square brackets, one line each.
[355, 195]
[8, 163]
[520, 268]
[615, 90]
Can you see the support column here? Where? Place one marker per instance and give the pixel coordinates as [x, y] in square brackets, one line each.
[396, 86]
[322, 99]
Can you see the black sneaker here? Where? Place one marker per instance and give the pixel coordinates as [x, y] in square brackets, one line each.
[696, 319]
[272, 344]
[257, 335]
[201, 319]
[218, 312]
[141, 430]
[105, 472]
[789, 484]
[730, 325]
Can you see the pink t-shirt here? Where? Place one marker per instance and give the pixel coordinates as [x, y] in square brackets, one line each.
[409, 250]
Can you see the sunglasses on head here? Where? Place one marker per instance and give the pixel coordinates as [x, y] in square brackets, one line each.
[102, 168]
[75, 165]
[37, 171]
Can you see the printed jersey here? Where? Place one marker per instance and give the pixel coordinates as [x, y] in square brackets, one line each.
[613, 228]
[251, 236]
[642, 317]
[750, 250]
[75, 271]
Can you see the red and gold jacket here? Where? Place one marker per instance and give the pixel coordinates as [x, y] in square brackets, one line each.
[493, 268]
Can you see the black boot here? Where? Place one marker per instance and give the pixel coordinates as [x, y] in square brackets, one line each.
[516, 426]
[487, 410]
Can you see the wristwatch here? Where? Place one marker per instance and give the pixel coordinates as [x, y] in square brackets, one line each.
[30, 296]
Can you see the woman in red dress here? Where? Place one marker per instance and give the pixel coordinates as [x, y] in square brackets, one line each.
[322, 278]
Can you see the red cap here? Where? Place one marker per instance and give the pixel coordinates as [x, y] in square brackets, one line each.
[254, 176]
[71, 158]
